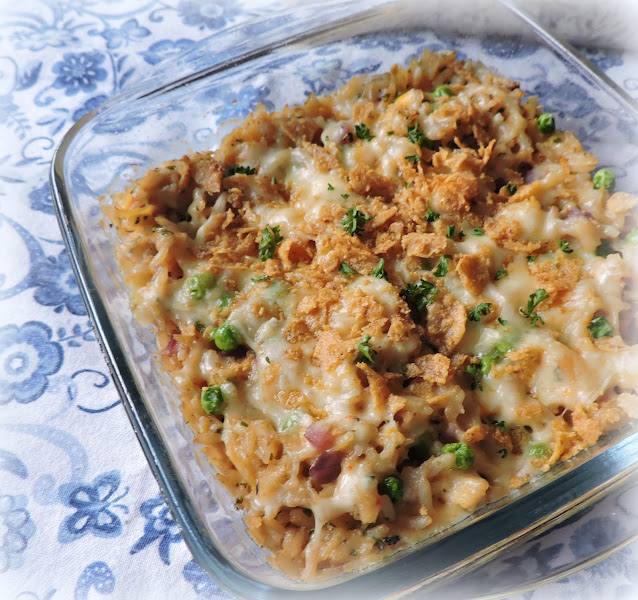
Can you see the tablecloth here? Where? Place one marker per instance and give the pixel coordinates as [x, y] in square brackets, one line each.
[80, 512]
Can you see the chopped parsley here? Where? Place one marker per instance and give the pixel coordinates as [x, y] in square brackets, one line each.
[464, 454]
[416, 136]
[346, 270]
[511, 188]
[502, 425]
[500, 274]
[431, 216]
[345, 196]
[419, 295]
[413, 158]
[531, 258]
[348, 137]
[502, 322]
[363, 132]
[330, 187]
[564, 246]
[478, 231]
[366, 352]
[389, 132]
[354, 221]
[484, 366]
[484, 308]
[534, 300]
[600, 327]
[391, 486]
[379, 271]
[238, 169]
[257, 278]
[273, 180]
[442, 267]
[270, 237]
[450, 232]
[503, 452]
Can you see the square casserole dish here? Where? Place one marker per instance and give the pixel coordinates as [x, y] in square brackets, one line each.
[189, 105]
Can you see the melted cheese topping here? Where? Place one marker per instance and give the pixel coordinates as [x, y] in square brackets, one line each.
[419, 318]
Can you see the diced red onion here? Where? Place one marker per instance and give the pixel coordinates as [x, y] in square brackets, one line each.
[170, 348]
[320, 436]
[326, 467]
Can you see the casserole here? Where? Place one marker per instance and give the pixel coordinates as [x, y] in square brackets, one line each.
[149, 125]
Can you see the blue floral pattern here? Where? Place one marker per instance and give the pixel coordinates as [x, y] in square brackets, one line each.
[28, 358]
[61, 60]
[159, 526]
[79, 72]
[16, 527]
[95, 507]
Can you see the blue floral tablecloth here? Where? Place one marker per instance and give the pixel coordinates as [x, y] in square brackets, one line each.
[80, 513]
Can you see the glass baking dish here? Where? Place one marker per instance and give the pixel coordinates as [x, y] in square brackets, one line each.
[189, 105]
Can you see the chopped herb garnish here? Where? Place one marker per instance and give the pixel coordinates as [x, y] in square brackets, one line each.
[502, 425]
[502, 322]
[419, 295]
[431, 216]
[413, 158]
[478, 231]
[500, 274]
[346, 270]
[442, 267]
[600, 327]
[484, 366]
[330, 187]
[267, 359]
[257, 278]
[363, 132]
[269, 239]
[416, 136]
[545, 123]
[564, 246]
[450, 232]
[200, 327]
[366, 352]
[511, 188]
[534, 300]
[345, 196]
[379, 271]
[464, 454]
[461, 235]
[604, 178]
[531, 258]
[503, 452]
[354, 221]
[389, 132]
[273, 180]
[212, 400]
[484, 308]
[238, 169]
[391, 486]
[348, 137]
[291, 421]
[225, 299]
[442, 90]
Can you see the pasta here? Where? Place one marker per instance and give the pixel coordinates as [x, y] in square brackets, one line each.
[387, 307]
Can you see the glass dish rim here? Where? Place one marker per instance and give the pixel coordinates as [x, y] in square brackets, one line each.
[149, 438]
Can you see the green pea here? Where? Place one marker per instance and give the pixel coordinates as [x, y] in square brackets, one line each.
[392, 487]
[538, 450]
[464, 454]
[545, 123]
[199, 284]
[604, 178]
[212, 400]
[226, 337]
[442, 90]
